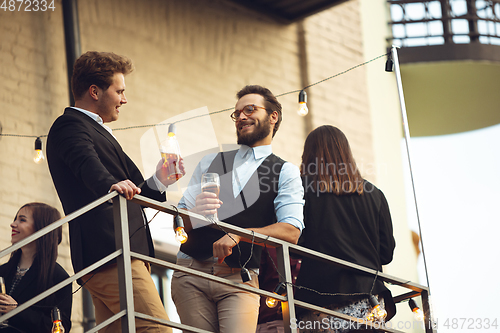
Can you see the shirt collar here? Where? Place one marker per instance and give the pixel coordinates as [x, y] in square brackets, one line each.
[92, 115]
[96, 117]
[258, 152]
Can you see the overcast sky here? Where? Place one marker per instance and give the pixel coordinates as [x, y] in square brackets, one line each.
[458, 194]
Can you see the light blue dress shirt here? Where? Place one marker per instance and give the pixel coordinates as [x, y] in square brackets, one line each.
[289, 202]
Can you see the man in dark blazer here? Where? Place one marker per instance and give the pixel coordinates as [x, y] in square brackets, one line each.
[86, 162]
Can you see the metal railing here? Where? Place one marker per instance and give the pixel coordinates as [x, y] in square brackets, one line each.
[123, 255]
[437, 22]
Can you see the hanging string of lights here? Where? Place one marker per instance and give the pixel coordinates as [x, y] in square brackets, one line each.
[376, 313]
[303, 110]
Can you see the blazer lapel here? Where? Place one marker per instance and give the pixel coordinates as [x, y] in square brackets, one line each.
[101, 130]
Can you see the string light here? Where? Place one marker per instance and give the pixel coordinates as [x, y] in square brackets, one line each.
[57, 326]
[417, 312]
[228, 109]
[377, 313]
[38, 157]
[303, 109]
[180, 234]
[389, 64]
[278, 290]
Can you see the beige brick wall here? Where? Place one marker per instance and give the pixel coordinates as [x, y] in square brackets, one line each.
[187, 54]
[334, 44]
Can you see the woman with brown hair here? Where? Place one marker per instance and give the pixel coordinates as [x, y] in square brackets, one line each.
[33, 269]
[345, 217]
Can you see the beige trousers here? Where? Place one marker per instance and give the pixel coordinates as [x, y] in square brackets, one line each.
[213, 306]
[103, 287]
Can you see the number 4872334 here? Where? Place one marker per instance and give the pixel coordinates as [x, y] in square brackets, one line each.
[27, 5]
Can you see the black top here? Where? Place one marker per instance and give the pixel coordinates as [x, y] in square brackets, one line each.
[252, 208]
[84, 161]
[37, 318]
[355, 228]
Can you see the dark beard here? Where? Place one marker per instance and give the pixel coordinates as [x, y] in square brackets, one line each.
[262, 130]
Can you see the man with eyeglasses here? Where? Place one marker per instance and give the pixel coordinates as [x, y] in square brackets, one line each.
[258, 191]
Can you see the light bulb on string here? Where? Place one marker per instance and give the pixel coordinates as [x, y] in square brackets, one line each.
[57, 326]
[180, 234]
[377, 313]
[303, 109]
[417, 312]
[272, 302]
[38, 157]
[278, 290]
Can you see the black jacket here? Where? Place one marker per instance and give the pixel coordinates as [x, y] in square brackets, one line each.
[84, 161]
[37, 318]
[355, 228]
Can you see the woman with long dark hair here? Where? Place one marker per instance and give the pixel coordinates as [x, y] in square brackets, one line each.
[33, 269]
[345, 217]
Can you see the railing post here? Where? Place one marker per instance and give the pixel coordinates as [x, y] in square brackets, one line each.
[285, 271]
[124, 263]
[428, 322]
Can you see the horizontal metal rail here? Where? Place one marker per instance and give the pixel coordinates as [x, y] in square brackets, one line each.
[260, 239]
[124, 255]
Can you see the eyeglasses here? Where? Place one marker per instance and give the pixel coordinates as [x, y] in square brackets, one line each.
[247, 110]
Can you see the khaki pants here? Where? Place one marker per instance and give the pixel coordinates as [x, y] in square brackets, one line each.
[103, 287]
[213, 306]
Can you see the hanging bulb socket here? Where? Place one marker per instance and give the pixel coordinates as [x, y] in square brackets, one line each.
[57, 326]
[280, 289]
[389, 64]
[303, 109]
[172, 129]
[180, 234]
[38, 157]
[417, 312]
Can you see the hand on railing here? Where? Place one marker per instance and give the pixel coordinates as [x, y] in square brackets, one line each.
[126, 188]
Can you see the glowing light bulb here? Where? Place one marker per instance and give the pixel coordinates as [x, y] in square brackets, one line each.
[271, 302]
[180, 234]
[57, 326]
[38, 157]
[303, 109]
[278, 290]
[417, 312]
[376, 313]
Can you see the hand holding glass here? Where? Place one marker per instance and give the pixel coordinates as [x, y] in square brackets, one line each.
[210, 183]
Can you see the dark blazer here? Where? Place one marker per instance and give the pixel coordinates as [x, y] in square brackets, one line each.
[84, 161]
[355, 228]
[37, 318]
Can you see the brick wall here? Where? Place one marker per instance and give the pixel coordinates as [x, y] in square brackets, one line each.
[187, 54]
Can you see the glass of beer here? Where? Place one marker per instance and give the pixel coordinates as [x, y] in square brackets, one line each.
[210, 183]
[171, 154]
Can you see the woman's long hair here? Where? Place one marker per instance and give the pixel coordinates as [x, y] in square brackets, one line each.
[328, 164]
[46, 246]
